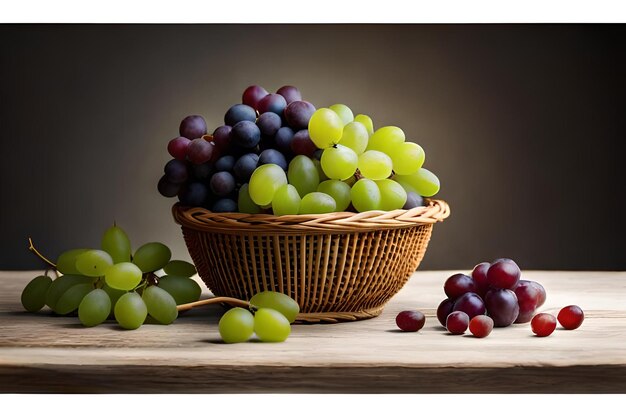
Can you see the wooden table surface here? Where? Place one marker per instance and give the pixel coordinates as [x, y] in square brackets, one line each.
[43, 353]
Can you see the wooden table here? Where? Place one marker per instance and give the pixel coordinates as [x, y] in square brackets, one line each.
[42, 353]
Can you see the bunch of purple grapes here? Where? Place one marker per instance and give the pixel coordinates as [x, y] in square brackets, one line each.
[266, 128]
[493, 289]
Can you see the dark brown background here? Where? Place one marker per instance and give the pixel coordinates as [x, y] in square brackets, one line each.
[522, 123]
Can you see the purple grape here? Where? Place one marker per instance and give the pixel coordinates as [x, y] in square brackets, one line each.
[503, 273]
[177, 147]
[298, 114]
[200, 151]
[252, 95]
[221, 137]
[457, 285]
[222, 183]
[502, 306]
[203, 171]
[302, 144]
[176, 171]
[471, 304]
[193, 194]
[445, 308]
[245, 166]
[269, 123]
[245, 134]
[224, 205]
[239, 113]
[274, 103]
[479, 275]
[193, 127]
[283, 139]
[272, 156]
[457, 322]
[413, 200]
[167, 189]
[290, 93]
[225, 163]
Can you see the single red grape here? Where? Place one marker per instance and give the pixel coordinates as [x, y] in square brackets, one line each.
[502, 306]
[457, 322]
[542, 293]
[527, 297]
[543, 324]
[481, 325]
[445, 308]
[252, 95]
[457, 285]
[410, 320]
[503, 273]
[470, 303]
[290, 93]
[200, 151]
[571, 317]
[177, 147]
[479, 275]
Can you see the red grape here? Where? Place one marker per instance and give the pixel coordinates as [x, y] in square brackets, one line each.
[221, 137]
[290, 93]
[470, 303]
[410, 320]
[192, 127]
[479, 275]
[543, 324]
[252, 95]
[457, 285]
[542, 293]
[199, 151]
[301, 144]
[527, 297]
[571, 317]
[503, 273]
[481, 325]
[457, 322]
[445, 308]
[177, 147]
[502, 306]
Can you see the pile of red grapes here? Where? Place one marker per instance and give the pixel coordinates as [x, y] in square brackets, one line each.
[493, 295]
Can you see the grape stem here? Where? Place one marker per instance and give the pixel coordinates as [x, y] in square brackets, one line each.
[32, 248]
[215, 300]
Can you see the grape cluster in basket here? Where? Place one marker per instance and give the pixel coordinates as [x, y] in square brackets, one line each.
[276, 153]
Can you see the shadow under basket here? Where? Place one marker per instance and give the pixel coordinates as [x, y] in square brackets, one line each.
[339, 266]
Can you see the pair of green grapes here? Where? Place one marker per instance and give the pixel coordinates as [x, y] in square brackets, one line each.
[269, 317]
[358, 167]
[98, 282]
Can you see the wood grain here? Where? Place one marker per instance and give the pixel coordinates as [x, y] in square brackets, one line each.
[44, 353]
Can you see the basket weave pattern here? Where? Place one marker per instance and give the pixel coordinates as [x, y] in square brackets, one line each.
[338, 266]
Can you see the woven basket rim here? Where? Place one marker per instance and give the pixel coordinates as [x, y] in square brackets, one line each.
[199, 218]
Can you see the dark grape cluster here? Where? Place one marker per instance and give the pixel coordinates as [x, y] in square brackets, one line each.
[209, 170]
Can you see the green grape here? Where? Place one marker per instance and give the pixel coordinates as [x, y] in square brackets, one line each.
[62, 284]
[66, 263]
[339, 191]
[34, 294]
[184, 290]
[286, 200]
[94, 308]
[423, 182]
[236, 325]
[386, 139]
[355, 137]
[93, 262]
[123, 276]
[152, 256]
[339, 162]
[365, 195]
[366, 121]
[130, 311]
[320, 171]
[160, 304]
[264, 182]
[245, 203]
[280, 302]
[70, 299]
[392, 195]
[317, 203]
[303, 174]
[271, 326]
[116, 243]
[180, 268]
[325, 128]
[407, 158]
[344, 112]
[375, 165]
[114, 294]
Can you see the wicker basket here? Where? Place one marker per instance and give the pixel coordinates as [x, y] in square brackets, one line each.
[338, 267]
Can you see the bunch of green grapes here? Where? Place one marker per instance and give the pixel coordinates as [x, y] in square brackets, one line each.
[356, 168]
[113, 281]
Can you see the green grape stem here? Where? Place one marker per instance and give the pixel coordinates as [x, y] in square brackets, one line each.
[236, 302]
[31, 247]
